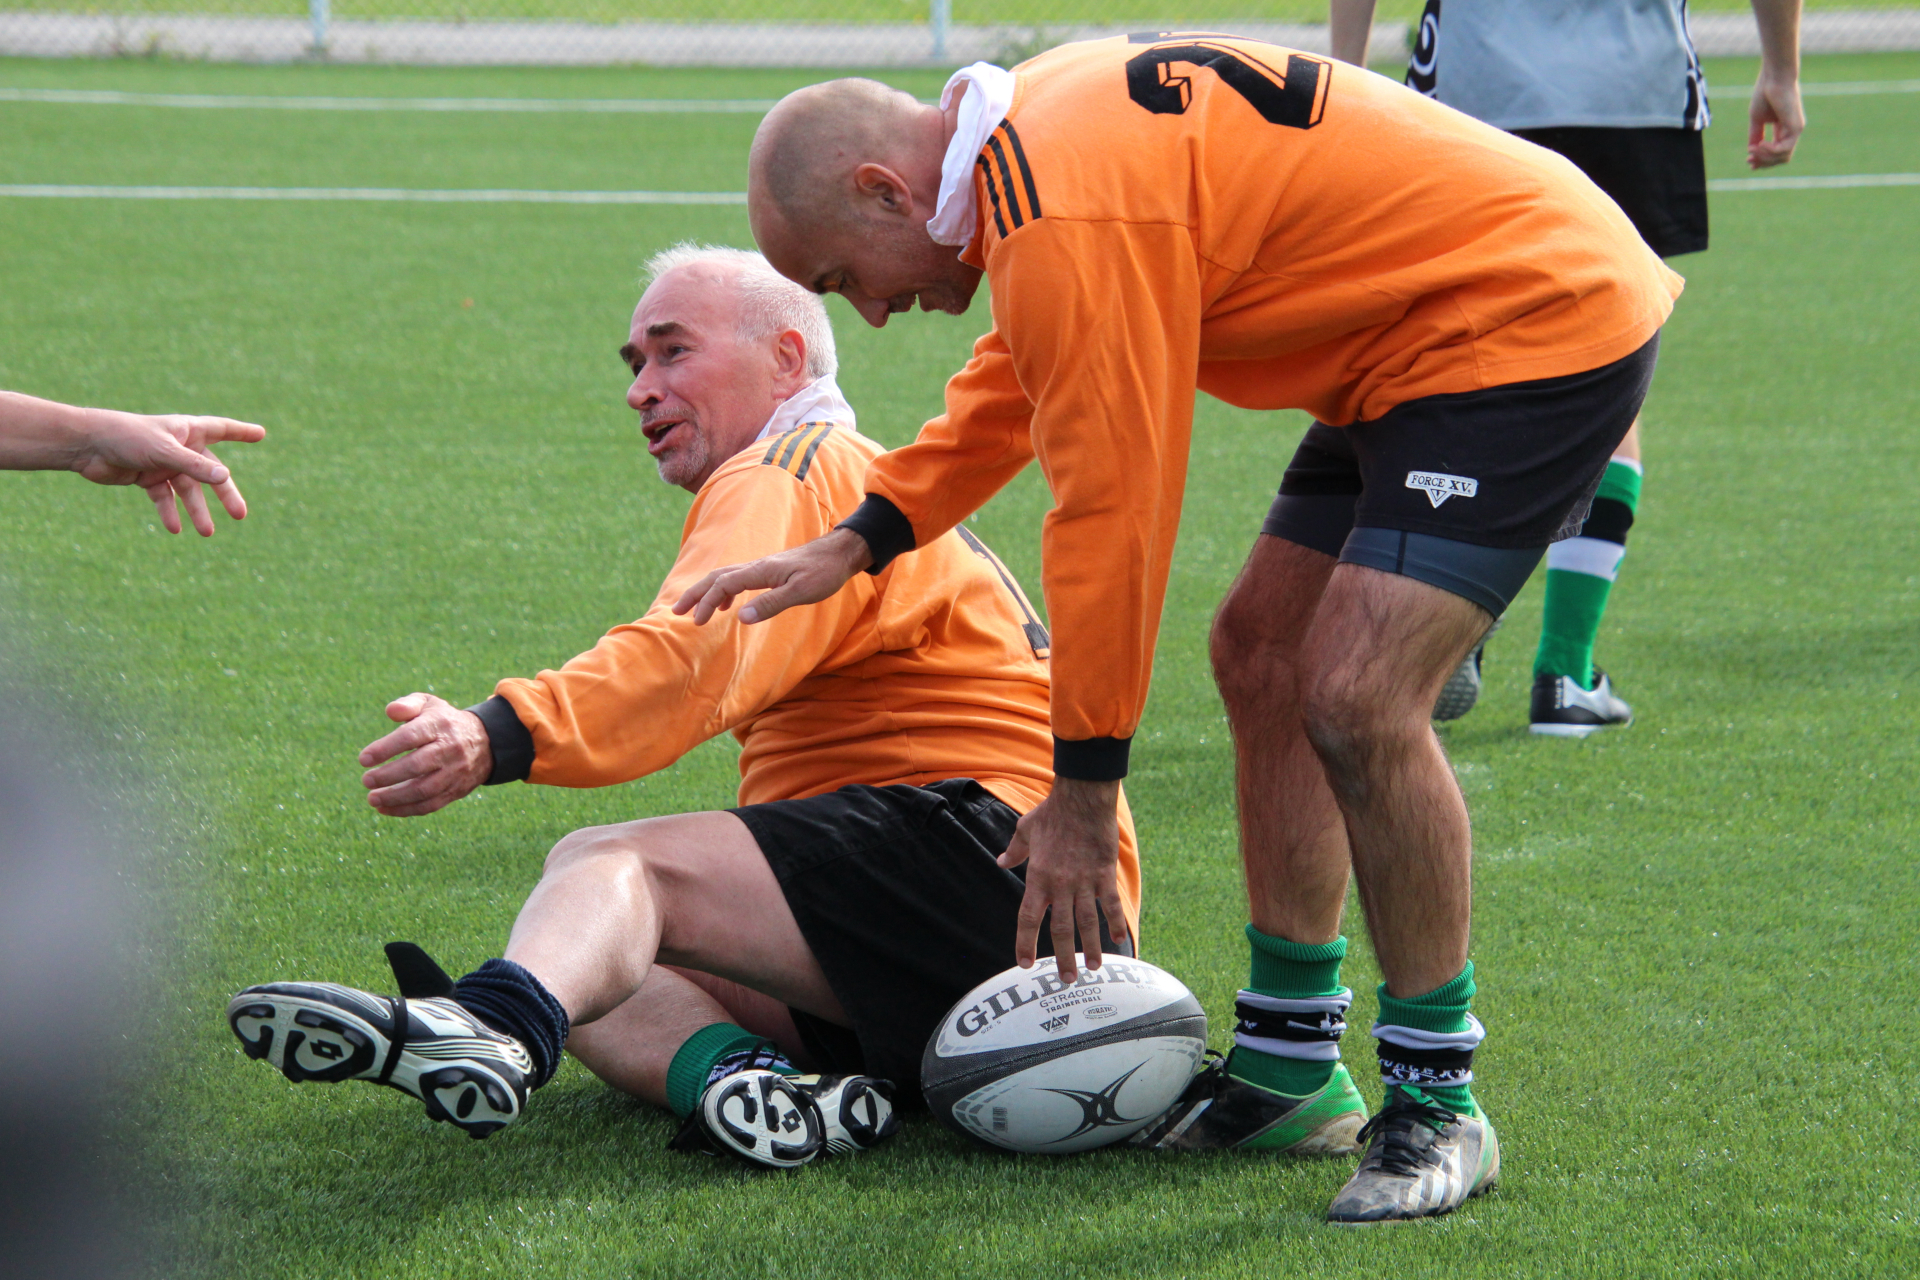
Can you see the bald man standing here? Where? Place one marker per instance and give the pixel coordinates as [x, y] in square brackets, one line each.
[1472, 324]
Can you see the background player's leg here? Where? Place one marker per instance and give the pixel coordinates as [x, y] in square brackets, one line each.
[1580, 577]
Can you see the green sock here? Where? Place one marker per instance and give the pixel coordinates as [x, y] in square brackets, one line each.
[1443, 1011]
[1580, 574]
[704, 1050]
[1288, 971]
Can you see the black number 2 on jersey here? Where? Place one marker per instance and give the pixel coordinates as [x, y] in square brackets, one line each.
[1294, 101]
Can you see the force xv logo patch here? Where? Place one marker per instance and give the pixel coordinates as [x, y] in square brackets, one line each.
[1439, 486]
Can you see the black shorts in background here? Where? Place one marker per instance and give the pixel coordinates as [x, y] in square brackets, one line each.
[1658, 177]
[897, 893]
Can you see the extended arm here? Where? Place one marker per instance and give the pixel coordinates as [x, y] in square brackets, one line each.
[1776, 94]
[169, 456]
[642, 697]
[1350, 22]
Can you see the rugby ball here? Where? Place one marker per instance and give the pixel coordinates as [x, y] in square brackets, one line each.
[1030, 1063]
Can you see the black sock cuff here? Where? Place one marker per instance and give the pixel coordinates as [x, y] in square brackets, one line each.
[513, 1002]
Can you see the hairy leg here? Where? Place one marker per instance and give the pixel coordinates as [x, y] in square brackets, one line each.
[1293, 840]
[692, 891]
[632, 1047]
[1378, 650]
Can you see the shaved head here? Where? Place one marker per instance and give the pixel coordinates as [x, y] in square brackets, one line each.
[808, 146]
[840, 183]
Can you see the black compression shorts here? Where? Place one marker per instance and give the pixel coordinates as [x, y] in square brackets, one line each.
[1465, 491]
[897, 893]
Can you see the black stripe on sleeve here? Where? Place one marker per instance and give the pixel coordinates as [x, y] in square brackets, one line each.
[806, 460]
[993, 195]
[1026, 174]
[793, 439]
[1006, 174]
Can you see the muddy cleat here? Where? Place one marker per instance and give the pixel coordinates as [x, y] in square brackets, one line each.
[1219, 1112]
[758, 1116]
[1421, 1160]
[1563, 709]
[1462, 689]
[856, 1112]
[465, 1072]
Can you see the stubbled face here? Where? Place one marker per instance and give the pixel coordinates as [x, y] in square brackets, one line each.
[883, 266]
[702, 393]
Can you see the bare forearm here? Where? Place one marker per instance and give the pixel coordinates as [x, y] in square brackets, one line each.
[40, 435]
[1779, 23]
[1350, 23]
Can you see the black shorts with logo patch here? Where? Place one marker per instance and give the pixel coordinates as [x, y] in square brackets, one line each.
[1463, 491]
[897, 893]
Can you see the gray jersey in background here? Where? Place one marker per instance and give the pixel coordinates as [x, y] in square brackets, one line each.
[1538, 64]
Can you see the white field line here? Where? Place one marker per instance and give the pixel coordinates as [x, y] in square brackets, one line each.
[205, 101]
[457, 196]
[1816, 183]
[587, 106]
[1842, 88]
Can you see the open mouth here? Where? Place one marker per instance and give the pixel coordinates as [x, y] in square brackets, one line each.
[659, 435]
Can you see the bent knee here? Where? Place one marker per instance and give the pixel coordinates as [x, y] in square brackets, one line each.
[1251, 647]
[622, 840]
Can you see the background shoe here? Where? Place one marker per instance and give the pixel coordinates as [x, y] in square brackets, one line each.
[466, 1073]
[761, 1117]
[1421, 1160]
[1462, 689]
[1219, 1112]
[1562, 709]
[856, 1112]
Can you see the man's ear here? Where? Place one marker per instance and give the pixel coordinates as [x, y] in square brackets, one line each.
[879, 185]
[789, 363]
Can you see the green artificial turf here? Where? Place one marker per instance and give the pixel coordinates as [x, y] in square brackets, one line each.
[1694, 937]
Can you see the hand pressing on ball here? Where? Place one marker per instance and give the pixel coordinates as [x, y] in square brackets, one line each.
[169, 455]
[442, 752]
[1071, 845]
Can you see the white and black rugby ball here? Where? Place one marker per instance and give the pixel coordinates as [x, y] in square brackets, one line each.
[1030, 1063]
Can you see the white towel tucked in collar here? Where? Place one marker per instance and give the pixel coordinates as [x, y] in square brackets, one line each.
[818, 401]
[989, 94]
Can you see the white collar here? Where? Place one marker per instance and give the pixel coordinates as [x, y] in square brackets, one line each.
[989, 92]
[818, 401]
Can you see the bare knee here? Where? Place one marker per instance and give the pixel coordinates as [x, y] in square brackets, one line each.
[1253, 654]
[620, 850]
[1356, 725]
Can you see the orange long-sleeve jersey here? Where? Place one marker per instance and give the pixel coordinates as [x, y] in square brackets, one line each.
[1160, 214]
[936, 668]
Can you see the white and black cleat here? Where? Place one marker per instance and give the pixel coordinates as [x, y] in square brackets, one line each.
[1562, 709]
[1462, 690]
[758, 1116]
[466, 1073]
[856, 1112]
[1421, 1160]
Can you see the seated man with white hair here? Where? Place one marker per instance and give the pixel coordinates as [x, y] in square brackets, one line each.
[889, 744]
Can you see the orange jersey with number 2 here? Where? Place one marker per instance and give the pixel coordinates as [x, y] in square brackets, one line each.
[1177, 212]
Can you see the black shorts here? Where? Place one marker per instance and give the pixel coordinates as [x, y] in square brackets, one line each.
[896, 891]
[1464, 491]
[1658, 177]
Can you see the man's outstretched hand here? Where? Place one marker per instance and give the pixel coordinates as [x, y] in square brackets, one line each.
[800, 575]
[170, 456]
[450, 755]
[1071, 845]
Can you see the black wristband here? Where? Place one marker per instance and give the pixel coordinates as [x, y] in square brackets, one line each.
[883, 528]
[512, 743]
[1092, 759]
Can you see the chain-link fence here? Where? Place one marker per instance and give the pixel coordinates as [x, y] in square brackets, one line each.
[824, 33]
